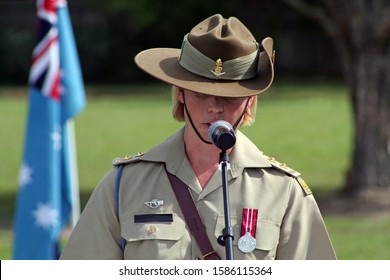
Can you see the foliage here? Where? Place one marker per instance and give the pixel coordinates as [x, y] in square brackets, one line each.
[163, 22]
[110, 33]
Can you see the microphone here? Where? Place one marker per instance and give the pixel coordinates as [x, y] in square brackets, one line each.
[221, 134]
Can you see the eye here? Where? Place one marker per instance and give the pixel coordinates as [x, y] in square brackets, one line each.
[200, 95]
[230, 99]
[234, 100]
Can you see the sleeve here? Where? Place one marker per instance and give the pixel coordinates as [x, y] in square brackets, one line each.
[96, 235]
[303, 234]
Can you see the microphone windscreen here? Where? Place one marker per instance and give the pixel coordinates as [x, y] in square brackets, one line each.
[221, 134]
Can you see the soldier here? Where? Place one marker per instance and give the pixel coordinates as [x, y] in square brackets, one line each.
[168, 203]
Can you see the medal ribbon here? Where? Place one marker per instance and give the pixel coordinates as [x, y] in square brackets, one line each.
[249, 221]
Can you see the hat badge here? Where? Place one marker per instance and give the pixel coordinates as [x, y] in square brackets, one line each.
[218, 69]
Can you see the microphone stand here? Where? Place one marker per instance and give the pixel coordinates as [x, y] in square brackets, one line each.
[226, 239]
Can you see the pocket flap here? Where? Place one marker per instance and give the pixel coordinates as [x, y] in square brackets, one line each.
[132, 231]
[267, 231]
[267, 235]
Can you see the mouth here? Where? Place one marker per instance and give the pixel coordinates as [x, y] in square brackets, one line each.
[213, 121]
[209, 124]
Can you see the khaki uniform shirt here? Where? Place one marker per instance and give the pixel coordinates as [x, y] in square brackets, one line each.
[289, 223]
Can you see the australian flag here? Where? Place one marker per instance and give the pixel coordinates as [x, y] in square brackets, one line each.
[48, 174]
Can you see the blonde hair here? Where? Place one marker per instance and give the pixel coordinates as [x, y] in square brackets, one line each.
[178, 109]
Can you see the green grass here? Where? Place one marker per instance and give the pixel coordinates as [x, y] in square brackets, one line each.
[5, 244]
[308, 126]
[360, 238]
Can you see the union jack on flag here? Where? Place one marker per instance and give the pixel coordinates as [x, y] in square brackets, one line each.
[47, 178]
[45, 69]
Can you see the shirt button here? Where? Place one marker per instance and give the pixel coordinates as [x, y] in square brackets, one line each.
[152, 229]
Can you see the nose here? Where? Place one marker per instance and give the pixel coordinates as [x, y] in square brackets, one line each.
[215, 104]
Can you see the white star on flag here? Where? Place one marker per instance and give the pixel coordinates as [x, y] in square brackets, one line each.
[45, 216]
[56, 137]
[25, 175]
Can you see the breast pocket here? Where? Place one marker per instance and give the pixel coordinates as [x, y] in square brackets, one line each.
[267, 237]
[148, 239]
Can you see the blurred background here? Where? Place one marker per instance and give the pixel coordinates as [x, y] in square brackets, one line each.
[326, 115]
[110, 33]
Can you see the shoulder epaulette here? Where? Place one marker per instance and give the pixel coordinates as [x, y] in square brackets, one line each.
[126, 159]
[291, 172]
[283, 167]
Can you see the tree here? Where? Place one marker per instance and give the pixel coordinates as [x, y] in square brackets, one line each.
[132, 26]
[360, 30]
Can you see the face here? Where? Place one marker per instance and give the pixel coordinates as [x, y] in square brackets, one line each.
[206, 109]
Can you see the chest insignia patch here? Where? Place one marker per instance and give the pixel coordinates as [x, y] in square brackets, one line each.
[154, 203]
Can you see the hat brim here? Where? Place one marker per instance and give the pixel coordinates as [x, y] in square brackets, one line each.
[162, 63]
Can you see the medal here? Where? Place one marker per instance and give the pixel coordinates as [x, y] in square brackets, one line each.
[247, 242]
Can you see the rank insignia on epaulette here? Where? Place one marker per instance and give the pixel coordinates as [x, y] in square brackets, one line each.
[304, 186]
[116, 161]
[125, 159]
[283, 167]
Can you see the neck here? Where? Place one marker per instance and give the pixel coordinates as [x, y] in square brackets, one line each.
[204, 158]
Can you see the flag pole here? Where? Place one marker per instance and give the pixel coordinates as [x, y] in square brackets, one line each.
[74, 181]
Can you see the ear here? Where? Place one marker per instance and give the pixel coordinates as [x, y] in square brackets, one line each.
[180, 94]
[251, 99]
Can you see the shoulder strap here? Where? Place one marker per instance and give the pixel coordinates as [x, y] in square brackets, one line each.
[192, 217]
[117, 184]
[291, 172]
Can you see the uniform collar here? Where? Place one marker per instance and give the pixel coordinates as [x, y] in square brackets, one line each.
[171, 152]
[245, 154]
